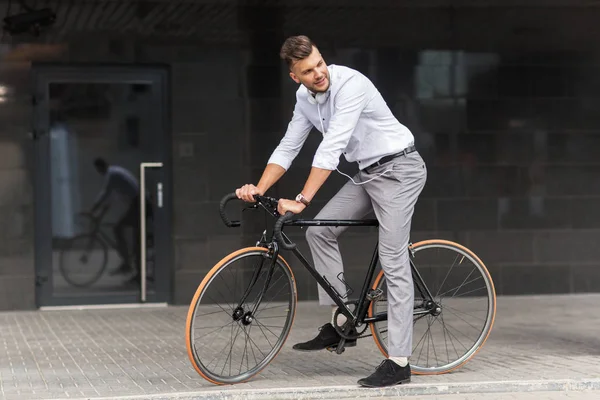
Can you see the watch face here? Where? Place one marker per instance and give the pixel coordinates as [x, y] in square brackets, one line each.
[300, 198]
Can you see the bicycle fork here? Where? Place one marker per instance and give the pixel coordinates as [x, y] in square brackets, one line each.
[248, 317]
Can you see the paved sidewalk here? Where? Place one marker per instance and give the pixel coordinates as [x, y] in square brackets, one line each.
[541, 343]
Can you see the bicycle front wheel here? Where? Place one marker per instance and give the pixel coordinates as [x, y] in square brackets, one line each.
[462, 287]
[240, 316]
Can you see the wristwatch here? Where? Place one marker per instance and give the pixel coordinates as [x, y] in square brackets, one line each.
[301, 199]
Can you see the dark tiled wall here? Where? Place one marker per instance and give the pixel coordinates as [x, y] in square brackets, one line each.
[504, 115]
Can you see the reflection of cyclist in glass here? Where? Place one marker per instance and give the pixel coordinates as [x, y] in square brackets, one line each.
[125, 184]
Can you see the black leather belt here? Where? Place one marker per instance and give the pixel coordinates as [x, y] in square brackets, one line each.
[389, 158]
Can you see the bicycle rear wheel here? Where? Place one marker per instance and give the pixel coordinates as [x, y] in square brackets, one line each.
[83, 260]
[463, 288]
[227, 341]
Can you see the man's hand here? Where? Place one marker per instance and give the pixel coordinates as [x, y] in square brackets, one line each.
[247, 193]
[294, 206]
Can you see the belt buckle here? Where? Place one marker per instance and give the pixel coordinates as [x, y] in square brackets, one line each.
[375, 164]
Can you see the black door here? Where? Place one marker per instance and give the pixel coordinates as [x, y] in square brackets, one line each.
[102, 130]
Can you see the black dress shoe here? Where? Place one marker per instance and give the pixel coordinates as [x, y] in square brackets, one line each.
[327, 338]
[388, 373]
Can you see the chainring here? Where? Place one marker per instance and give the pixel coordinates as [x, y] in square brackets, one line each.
[355, 332]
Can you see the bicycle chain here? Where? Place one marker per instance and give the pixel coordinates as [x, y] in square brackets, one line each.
[337, 329]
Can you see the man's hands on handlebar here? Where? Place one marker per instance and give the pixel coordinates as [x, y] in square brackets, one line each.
[294, 206]
[247, 193]
[269, 203]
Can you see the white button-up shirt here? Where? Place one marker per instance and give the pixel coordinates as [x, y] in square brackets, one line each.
[354, 120]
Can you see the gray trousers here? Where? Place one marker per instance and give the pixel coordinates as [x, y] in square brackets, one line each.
[392, 198]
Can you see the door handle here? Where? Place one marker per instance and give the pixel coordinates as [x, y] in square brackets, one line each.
[159, 194]
[143, 167]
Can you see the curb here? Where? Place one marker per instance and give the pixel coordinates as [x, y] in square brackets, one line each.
[341, 392]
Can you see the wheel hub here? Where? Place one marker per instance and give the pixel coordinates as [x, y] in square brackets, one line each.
[435, 309]
[238, 313]
[248, 318]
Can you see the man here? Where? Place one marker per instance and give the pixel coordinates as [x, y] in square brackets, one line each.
[126, 186]
[356, 122]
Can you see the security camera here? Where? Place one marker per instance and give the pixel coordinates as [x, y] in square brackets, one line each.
[30, 21]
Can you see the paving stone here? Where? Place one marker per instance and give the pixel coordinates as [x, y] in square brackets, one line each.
[141, 352]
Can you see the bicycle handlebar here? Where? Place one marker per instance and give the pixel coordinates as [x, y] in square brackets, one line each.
[224, 217]
[281, 220]
[277, 230]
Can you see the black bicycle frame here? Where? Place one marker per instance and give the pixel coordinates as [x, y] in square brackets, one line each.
[270, 204]
[362, 308]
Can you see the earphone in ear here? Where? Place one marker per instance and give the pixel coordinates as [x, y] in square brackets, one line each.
[318, 98]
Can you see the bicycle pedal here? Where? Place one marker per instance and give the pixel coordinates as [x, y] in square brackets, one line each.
[334, 349]
[374, 294]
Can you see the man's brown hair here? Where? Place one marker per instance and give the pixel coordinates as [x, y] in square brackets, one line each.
[296, 48]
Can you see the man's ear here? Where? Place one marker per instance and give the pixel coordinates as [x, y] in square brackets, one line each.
[294, 77]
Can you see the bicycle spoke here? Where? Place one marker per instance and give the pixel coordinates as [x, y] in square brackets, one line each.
[470, 291]
[459, 286]
[218, 305]
[255, 345]
[270, 326]
[230, 349]
[420, 340]
[210, 313]
[447, 274]
[219, 352]
[263, 332]
[447, 307]
[244, 353]
[455, 337]
[214, 338]
[432, 344]
[445, 330]
[423, 337]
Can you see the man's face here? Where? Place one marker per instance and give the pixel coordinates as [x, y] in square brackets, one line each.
[311, 72]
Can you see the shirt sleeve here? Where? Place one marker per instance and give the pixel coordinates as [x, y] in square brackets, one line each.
[293, 140]
[350, 102]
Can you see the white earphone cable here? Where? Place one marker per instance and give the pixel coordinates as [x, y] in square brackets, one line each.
[349, 177]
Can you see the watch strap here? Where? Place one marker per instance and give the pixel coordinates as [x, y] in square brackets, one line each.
[302, 199]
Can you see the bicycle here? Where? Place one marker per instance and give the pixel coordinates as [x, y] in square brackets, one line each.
[247, 292]
[90, 251]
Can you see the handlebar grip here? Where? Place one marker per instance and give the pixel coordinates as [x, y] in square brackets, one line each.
[224, 216]
[277, 231]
